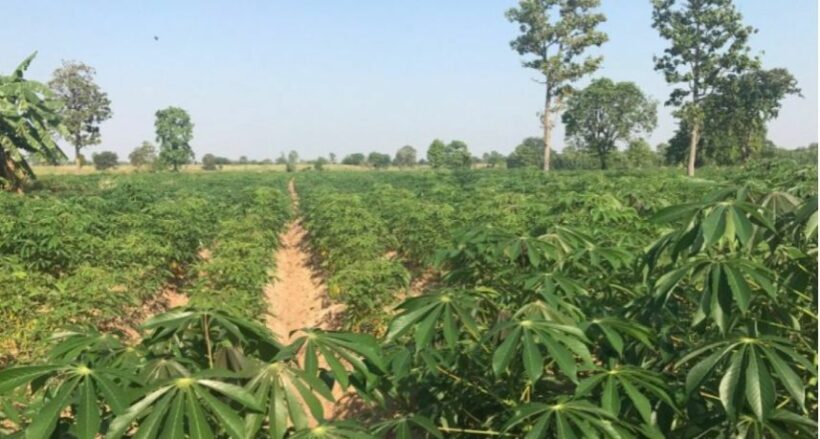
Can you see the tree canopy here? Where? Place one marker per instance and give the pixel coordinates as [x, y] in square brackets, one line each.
[707, 43]
[554, 36]
[405, 157]
[143, 155]
[605, 113]
[528, 154]
[174, 133]
[85, 104]
[452, 155]
[104, 160]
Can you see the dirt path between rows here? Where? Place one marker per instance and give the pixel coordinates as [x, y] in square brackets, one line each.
[297, 297]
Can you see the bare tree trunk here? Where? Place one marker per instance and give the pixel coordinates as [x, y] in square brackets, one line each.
[547, 133]
[77, 159]
[693, 148]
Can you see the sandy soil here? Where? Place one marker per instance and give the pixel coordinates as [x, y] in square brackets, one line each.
[297, 297]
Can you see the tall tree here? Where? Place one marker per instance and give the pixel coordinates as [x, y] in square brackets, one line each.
[86, 105]
[29, 120]
[174, 133]
[405, 157]
[554, 36]
[708, 42]
[605, 113]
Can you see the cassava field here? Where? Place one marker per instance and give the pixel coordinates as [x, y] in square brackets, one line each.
[476, 303]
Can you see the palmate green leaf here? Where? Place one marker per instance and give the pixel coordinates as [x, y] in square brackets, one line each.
[282, 388]
[360, 351]
[615, 328]
[43, 424]
[562, 342]
[759, 387]
[636, 384]
[334, 430]
[565, 419]
[407, 427]
[88, 414]
[790, 380]
[424, 315]
[13, 377]
[729, 383]
[189, 404]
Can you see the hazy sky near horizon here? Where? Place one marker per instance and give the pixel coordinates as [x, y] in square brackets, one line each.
[264, 77]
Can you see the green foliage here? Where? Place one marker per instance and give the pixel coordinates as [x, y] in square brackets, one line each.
[605, 113]
[378, 160]
[554, 36]
[356, 159]
[174, 133]
[707, 44]
[405, 157]
[104, 160]
[653, 306]
[143, 155]
[529, 154]
[86, 105]
[29, 119]
[453, 155]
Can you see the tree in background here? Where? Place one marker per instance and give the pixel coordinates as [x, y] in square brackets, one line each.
[605, 113]
[708, 42]
[174, 133]
[435, 153]
[281, 160]
[293, 157]
[104, 160]
[320, 163]
[555, 34]
[378, 160]
[356, 159]
[209, 162]
[243, 160]
[405, 157]
[332, 158]
[743, 104]
[143, 155]
[29, 119]
[640, 155]
[529, 154]
[453, 155]
[493, 159]
[85, 104]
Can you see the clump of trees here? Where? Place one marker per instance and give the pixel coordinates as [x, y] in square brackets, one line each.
[378, 160]
[356, 159]
[175, 130]
[85, 105]
[104, 160]
[29, 121]
[453, 155]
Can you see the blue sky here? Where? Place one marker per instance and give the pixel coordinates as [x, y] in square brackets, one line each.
[343, 76]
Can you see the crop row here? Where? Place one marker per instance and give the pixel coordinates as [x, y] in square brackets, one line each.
[85, 250]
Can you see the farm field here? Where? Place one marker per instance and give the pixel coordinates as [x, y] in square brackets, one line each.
[471, 303]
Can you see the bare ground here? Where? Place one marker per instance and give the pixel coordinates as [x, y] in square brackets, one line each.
[297, 297]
